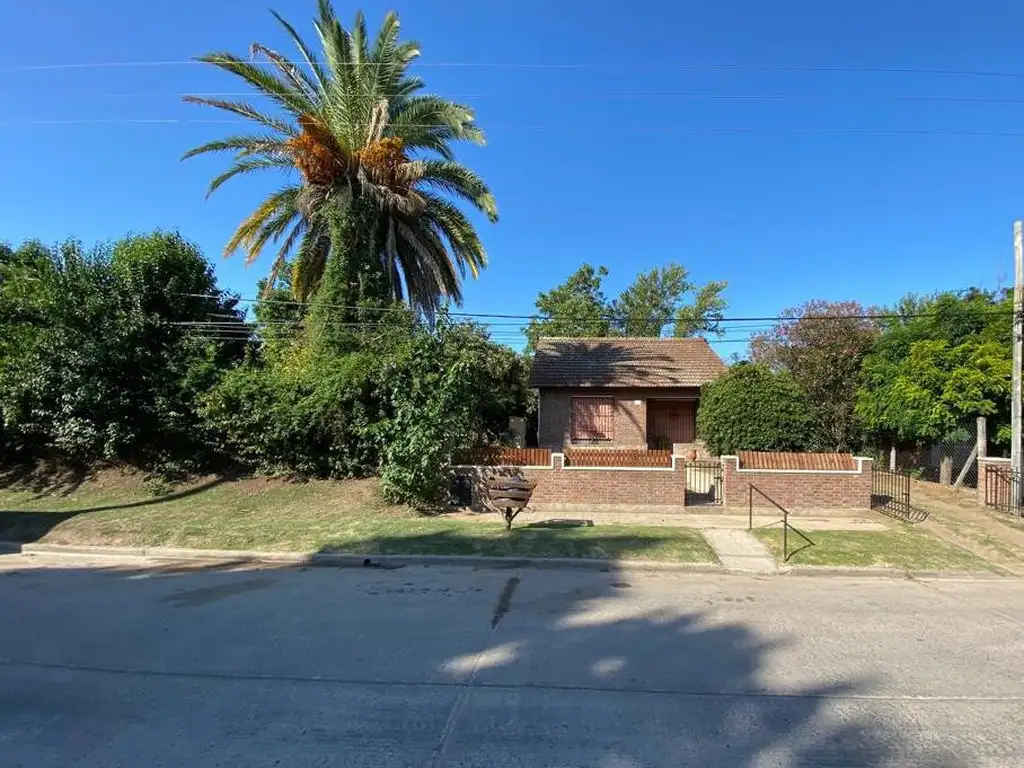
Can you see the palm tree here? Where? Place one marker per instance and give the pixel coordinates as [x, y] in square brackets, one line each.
[373, 214]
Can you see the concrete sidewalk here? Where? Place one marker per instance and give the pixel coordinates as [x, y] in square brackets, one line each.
[740, 552]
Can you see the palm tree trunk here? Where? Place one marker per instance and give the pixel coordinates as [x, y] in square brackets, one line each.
[353, 282]
[334, 300]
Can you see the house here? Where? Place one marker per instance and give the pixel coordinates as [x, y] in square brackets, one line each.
[621, 393]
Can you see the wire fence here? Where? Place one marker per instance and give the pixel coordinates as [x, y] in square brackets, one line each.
[945, 462]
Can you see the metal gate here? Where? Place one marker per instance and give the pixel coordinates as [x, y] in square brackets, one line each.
[703, 483]
[890, 494]
[1002, 490]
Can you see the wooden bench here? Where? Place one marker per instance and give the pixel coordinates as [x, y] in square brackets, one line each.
[510, 495]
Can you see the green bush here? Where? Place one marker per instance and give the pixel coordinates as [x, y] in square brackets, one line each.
[98, 360]
[751, 408]
[307, 419]
[450, 388]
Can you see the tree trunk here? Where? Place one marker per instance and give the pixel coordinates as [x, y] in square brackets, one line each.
[945, 470]
[351, 278]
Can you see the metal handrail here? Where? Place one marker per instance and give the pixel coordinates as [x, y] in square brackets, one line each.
[785, 522]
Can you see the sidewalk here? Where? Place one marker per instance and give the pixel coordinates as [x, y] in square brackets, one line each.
[740, 552]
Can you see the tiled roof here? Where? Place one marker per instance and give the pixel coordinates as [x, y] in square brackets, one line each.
[624, 363]
[766, 460]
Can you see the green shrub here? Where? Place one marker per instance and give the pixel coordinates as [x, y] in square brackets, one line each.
[309, 419]
[751, 408]
[98, 360]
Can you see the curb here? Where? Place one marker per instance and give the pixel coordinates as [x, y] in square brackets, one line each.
[346, 560]
[385, 562]
[892, 573]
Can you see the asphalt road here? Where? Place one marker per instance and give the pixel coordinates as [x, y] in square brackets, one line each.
[459, 667]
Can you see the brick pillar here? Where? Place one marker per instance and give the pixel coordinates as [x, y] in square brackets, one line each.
[983, 463]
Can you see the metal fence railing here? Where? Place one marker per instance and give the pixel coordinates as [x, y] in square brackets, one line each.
[703, 483]
[890, 494]
[1003, 490]
[786, 527]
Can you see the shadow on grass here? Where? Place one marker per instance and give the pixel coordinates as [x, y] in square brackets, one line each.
[45, 478]
[786, 542]
[898, 510]
[28, 525]
[561, 524]
[571, 668]
[682, 545]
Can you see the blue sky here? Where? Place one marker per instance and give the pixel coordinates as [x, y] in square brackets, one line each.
[751, 142]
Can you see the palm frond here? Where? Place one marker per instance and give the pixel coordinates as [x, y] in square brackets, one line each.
[284, 199]
[248, 165]
[299, 79]
[290, 98]
[459, 181]
[319, 76]
[426, 120]
[451, 222]
[436, 273]
[247, 111]
[244, 145]
[298, 230]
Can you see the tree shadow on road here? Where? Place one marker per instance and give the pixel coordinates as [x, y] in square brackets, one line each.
[523, 667]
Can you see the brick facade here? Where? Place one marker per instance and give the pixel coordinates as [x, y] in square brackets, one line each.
[554, 415]
[799, 491]
[818, 492]
[625, 489]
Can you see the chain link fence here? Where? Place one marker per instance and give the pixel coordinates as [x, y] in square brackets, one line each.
[945, 462]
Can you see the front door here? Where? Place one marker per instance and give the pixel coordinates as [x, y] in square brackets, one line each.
[670, 422]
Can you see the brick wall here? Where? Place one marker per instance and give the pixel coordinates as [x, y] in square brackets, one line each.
[626, 489]
[663, 490]
[800, 492]
[555, 409]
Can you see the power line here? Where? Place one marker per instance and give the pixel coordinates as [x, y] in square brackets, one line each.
[995, 311]
[629, 96]
[647, 128]
[559, 66]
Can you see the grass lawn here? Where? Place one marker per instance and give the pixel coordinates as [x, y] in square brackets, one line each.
[112, 508]
[903, 546]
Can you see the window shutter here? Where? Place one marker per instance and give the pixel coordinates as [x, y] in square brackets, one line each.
[593, 418]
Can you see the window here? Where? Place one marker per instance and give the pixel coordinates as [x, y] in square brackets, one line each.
[593, 418]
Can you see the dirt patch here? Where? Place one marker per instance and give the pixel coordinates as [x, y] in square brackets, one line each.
[956, 516]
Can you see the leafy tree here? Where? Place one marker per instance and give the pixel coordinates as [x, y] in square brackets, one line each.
[704, 314]
[752, 408]
[933, 371]
[578, 307]
[372, 213]
[822, 345]
[656, 299]
[100, 360]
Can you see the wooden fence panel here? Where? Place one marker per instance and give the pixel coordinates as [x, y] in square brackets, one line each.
[599, 457]
[497, 456]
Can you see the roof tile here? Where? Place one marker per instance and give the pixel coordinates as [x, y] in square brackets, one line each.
[624, 362]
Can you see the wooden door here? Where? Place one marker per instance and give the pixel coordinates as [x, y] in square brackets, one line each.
[673, 421]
